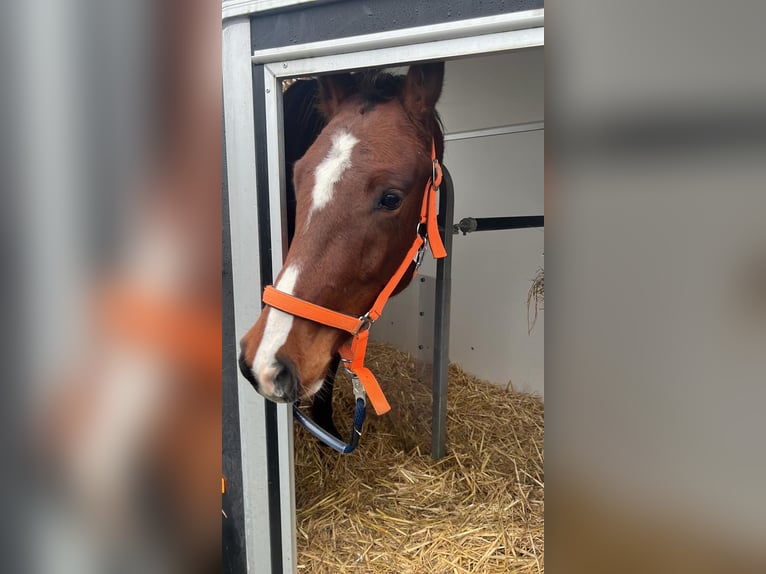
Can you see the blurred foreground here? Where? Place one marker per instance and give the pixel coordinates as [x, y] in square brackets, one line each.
[115, 148]
[656, 287]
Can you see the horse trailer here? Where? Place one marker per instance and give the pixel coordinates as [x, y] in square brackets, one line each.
[472, 307]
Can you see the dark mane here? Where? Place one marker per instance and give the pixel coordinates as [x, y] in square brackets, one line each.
[372, 87]
[375, 87]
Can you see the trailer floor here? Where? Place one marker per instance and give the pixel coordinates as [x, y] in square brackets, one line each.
[389, 507]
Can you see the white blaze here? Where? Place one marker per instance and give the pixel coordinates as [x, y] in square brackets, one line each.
[278, 325]
[329, 172]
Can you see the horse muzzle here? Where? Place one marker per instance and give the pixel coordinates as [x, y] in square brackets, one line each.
[278, 383]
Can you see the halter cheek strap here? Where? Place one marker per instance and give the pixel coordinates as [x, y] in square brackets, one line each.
[353, 351]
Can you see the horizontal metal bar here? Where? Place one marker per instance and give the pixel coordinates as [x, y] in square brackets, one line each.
[473, 224]
[394, 38]
[497, 131]
[399, 55]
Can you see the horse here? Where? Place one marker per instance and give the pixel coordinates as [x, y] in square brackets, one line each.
[356, 195]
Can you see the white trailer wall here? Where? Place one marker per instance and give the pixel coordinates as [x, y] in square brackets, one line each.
[499, 175]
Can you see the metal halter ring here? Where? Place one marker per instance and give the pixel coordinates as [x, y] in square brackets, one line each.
[420, 228]
[365, 322]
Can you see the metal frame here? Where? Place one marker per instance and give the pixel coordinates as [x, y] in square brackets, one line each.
[396, 55]
[471, 29]
[241, 171]
[278, 223]
[234, 8]
[436, 42]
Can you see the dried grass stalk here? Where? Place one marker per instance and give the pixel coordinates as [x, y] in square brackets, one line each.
[536, 295]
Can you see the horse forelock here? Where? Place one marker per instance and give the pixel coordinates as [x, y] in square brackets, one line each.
[376, 86]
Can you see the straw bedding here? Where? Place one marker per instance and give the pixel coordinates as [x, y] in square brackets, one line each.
[389, 507]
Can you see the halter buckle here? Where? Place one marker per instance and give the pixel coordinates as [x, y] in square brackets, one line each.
[365, 322]
[420, 255]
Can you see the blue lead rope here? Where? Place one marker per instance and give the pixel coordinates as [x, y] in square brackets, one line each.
[326, 437]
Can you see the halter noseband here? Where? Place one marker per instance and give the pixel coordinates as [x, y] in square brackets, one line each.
[352, 352]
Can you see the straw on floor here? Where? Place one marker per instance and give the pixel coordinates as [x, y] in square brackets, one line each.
[389, 507]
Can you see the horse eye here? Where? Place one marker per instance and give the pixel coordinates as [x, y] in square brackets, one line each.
[390, 200]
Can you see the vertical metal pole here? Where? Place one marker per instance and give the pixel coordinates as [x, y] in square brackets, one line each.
[246, 277]
[442, 321]
[278, 219]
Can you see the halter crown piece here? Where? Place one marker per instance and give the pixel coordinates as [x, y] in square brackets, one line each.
[352, 352]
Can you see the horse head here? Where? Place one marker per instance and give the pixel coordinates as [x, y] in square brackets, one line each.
[359, 190]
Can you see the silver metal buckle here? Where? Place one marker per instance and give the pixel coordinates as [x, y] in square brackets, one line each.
[420, 255]
[358, 388]
[365, 322]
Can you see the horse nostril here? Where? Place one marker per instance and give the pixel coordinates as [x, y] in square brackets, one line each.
[246, 371]
[286, 382]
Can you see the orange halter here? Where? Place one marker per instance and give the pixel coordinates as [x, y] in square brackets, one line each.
[353, 351]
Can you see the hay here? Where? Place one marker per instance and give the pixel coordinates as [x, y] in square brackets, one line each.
[389, 507]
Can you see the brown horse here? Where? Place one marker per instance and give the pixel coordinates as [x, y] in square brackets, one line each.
[359, 190]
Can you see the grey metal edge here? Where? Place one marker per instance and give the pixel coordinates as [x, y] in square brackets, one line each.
[440, 50]
[240, 158]
[277, 209]
[469, 28]
[236, 8]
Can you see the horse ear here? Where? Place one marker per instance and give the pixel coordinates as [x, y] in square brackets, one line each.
[332, 91]
[422, 88]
